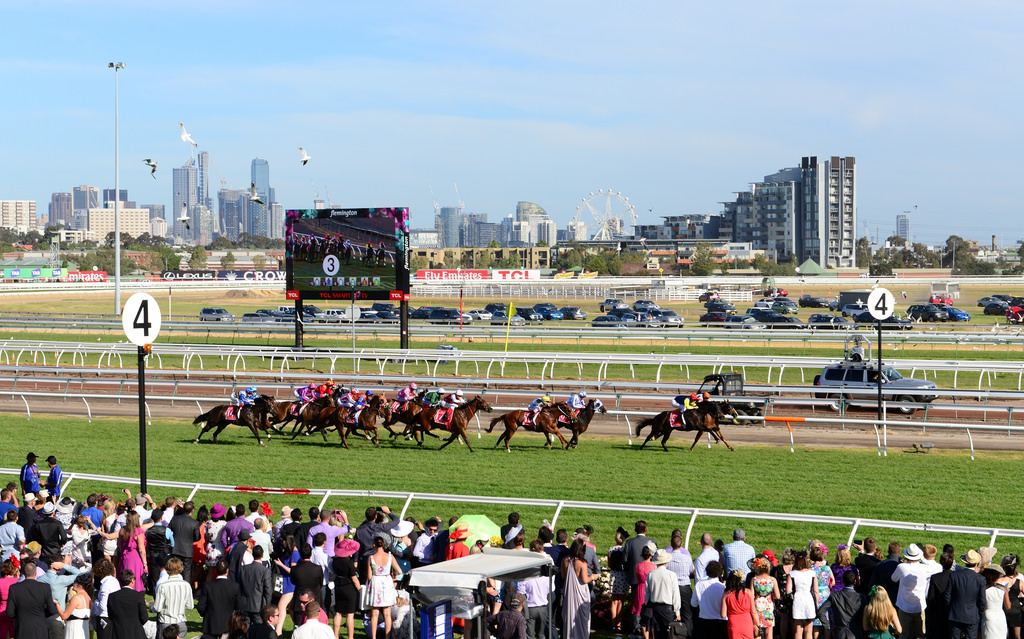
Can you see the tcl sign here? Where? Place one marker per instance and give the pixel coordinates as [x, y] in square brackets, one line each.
[515, 274]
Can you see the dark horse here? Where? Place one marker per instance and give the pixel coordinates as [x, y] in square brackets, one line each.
[366, 421]
[703, 419]
[425, 421]
[579, 425]
[406, 416]
[545, 421]
[255, 417]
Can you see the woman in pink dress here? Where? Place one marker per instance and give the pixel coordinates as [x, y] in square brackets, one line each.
[131, 549]
[738, 608]
[643, 569]
[8, 577]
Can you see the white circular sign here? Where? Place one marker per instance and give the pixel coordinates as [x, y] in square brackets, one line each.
[881, 303]
[331, 265]
[141, 319]
[353, 313]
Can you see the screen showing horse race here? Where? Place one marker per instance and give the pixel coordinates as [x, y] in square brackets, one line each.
[338, 254]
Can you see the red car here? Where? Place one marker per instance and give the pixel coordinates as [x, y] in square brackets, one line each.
[941, 299]
[714, 317]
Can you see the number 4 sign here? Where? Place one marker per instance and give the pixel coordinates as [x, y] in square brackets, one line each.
[141, 319]
[881, 303]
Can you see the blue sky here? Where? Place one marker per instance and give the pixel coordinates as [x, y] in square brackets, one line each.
[674, 104]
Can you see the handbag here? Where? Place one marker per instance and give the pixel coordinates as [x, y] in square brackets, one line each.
[364, 597]
[677, 630]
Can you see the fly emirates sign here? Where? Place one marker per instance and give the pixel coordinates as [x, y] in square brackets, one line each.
[469, 275]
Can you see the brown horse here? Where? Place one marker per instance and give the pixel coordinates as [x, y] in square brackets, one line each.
[337, 417]
[545, 421]
[704, 419]
[310, 417]
[406, 416]
[579, 425]
[255, 417]
[462, 414]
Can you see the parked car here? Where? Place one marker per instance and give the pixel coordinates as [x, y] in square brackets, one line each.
[645, 306]
[215, 314]
[760, 313]
[548, 311]
[336, 315]
[744, 321]
[941, 298]
[828, 321]
[927, 313]
[480, 314]
[893, 322]
[985, 301]
[764, 303]
[854, 308]
[387, 317]
[607, 321]
[895, 387]
[384, 306]
[996, 308]
[720, 305]
[667, 317]
[448, 316]
[709, 295]
[623, 314]
[529, 315]
[778, 321]
[784, 306]
[1004, 297]
[313, 313]
[809, 301]
[573, 313]
[422, 312]
[494, 307]
[957, 314]
[610, 303]
[714, 317]
[256, 317]
[500, 318]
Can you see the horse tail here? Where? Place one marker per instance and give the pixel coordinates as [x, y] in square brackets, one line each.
[643, 424]
[494, 422]
[205, 417]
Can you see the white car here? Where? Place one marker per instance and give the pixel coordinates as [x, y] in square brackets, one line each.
[335, 315]
[854, 309]
[480, 315]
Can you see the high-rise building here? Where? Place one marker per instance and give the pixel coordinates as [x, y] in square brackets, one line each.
[276, 231]
[232, 204]
[18, 215]
[60, 209]
[185, 196]
[85, 197]
[259, 214]
[108, 196]
[449, 227]
[903, 226]
[156, 211]
[203, 184]
[828, 217]
[134, 222]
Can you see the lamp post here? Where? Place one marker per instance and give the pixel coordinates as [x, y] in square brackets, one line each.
[117, 200]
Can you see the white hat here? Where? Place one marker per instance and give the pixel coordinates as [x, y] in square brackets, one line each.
[402, 529]
[913, 553]
[661, 557]
[48, 508]
[30, 497]
[42, 494]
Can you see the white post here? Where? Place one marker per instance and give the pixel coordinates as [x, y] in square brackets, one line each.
[117, 208]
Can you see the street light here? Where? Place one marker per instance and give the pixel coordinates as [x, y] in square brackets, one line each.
[117, 198]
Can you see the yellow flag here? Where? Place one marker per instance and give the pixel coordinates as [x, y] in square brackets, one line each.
[508, 323]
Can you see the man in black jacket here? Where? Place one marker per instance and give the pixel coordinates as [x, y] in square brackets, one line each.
[158, 548]
[186, 533]
[256, 584]
[847, 608]
[30, 603]
[965, 596]
[306, 575]
[217, 600]
[126, 610]
[236, 555]
[371, 526]
[264, 629]
[49, 532]
[633, 548]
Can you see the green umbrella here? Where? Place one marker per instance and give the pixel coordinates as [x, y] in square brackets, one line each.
[480, 527]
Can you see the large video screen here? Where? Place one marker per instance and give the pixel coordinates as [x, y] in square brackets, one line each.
[338, 254]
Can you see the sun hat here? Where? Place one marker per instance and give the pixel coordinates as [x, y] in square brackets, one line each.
[286, 512]
[42, 494]
[661, 557]
[345, 547]
[48, 508]
[33, 547]
[996, 568]
[458, 534]
[66, 506]
[30, 497]
[511, 534]
[971, 558]
[402, 529]
[217, 512]
[913, 553]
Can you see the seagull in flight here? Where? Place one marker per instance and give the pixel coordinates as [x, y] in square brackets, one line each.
[253, 195]
[184, 216]
[185, 136]
[151, 164]
[305, 156]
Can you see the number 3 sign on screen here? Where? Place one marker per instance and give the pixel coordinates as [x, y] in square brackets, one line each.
[141, 319]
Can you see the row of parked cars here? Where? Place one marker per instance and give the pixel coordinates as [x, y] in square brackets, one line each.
[642, 314]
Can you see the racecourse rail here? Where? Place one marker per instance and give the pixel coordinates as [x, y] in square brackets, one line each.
[558, 505]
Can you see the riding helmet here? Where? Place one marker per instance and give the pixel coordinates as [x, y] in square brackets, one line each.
[693, 396]
[251, 389]
[412, 386]
[583, 393]
[707, 395]
[545, 399]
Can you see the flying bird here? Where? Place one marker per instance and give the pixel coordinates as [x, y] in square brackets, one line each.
[184, 216]
[185, 137]
[151, 164]
[305, 156]
[253, 195]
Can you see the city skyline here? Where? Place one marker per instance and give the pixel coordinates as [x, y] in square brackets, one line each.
[678, 107]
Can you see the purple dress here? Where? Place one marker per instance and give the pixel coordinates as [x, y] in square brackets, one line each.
[129, 558]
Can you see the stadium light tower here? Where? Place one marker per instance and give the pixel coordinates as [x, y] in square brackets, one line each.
[117, 199]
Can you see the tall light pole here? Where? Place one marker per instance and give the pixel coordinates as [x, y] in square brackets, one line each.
[117, 200]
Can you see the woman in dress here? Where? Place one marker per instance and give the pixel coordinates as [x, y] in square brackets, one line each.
[214, 545]
[346, 585]
[1013, 590]
[131, 549]
[288, 557]
[766, 593]
[843, 564]
[803, 585]
[199, 549]
[8, 577]
[618, 582]
[383, 572]
[576, 595]
[818, 554]
[81, 533]
[108, 529]
[784, 604]
[993, 626]
[880, 615]
[643, 569]
[65, 515]
[76, 615]
[738, 608]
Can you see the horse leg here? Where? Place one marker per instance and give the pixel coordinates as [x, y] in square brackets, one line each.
[697, 438]
[722, 438]
[256, 431]
[206, 427]
[650, 435]
[465, 438]
[343, 434]
[218, 431]
[664, 440]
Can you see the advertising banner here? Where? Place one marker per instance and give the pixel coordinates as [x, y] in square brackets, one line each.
[272, 276]
[452, 275]
[515, 274]
[87, 276]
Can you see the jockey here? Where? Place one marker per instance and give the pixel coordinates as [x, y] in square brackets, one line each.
[433, 397]
[323, 390]
[453, 400]
[245, 397]
[306, 394]
[577, 402]
[535, 407]
[351, 399]
[684, 403]
[406, 395]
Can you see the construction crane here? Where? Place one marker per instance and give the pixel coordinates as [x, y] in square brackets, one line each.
[458, 198]
[223, 182]
[327, 194]
[437, 207]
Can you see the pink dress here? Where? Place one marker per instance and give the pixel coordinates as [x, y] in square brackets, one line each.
[643, 569]
[129, 558]
[6, 623]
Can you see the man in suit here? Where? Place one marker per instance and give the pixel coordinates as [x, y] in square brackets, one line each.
[186, 533]
[265, 629]
[256, 585]
[236, 555]
[217, 600]
[882, 575]
[126, 609]
[306, 575]
[965, 596]
[29, 603]
[633, 547]
[847, 608]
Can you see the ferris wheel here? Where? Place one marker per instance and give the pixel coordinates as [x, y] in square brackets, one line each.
[611, 211]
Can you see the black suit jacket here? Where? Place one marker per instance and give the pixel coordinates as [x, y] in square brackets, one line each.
[847, 608]
[965, 596]
[261, 631]
[217, 600]
[29, 603]
[882, 576]
[309, 576]
[256, 585]
[127, 612]
[186, 532]
[51, 536]
[633, 547]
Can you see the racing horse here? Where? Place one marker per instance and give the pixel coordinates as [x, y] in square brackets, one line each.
[366, 420]
[406, 416]
[703, 419]
[424, 421]
[579, 425]
[545, 421]
[255, 417]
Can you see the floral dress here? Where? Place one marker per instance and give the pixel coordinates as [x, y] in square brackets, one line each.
[764, 605]
[824, 574]
[382, 586]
